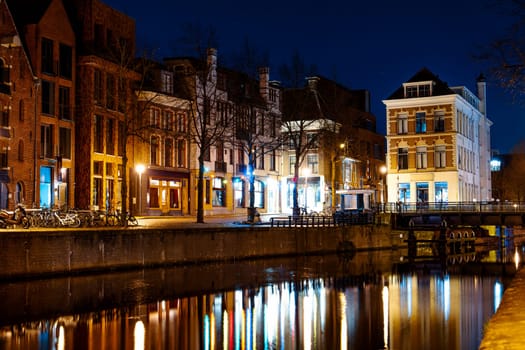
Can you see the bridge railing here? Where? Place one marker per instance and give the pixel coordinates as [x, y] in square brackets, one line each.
[467, 207]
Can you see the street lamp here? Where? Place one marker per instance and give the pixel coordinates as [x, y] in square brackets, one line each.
[382, 170]
[140, 168]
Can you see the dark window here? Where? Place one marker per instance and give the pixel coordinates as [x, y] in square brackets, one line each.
[97, 87]
[181, 153]
[4, 121]
[64, 143]
[168, 152]
[402, 158]
[64, 103]
[110, 91]
[122, 95]
[99, 36]
[98, 137]
[48, 97]
[272, 160]
[46, 141]
[66, 61]
[21, 150]
[3, 159]
[110, 136]
[154, 150]
[439, 121]
[121, 138]
[5, 86]
[21, 110]
[48, 66]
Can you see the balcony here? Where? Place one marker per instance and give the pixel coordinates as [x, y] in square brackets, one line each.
[220, 167]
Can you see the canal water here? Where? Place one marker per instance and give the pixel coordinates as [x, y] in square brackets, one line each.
[367, 300]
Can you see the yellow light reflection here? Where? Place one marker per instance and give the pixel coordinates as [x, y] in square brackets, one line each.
[61, 343]
[225, 329]
[516, 258]
[385, 296]
[307, 321]
[139, 336]
[344, 326]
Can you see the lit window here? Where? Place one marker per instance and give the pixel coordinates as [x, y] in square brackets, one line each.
[402, 124]
[421, 157]
[440, 157]
[421, 122]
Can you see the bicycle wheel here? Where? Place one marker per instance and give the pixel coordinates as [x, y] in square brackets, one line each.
[76, 222]
[112, 220]
[132, 220]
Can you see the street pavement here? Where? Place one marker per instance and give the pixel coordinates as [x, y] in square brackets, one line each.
[209, 221]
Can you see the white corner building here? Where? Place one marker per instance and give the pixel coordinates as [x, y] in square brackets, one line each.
[438, 142]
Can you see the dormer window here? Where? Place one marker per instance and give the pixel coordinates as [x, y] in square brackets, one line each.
[167, 83]
[418, 89]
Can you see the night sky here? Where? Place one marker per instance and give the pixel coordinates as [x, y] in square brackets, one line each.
[375, 45]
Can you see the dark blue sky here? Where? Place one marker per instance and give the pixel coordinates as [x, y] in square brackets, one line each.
[374, 45]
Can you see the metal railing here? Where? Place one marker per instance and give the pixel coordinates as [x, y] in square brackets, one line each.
[461, 207]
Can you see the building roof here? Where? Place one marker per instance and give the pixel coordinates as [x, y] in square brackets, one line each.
[440, 87]
[28, 11]
[326, 99]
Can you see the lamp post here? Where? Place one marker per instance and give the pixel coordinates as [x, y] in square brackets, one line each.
[139, 168]
[382, 170]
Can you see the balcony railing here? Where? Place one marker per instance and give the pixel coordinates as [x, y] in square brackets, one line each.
[220, 166]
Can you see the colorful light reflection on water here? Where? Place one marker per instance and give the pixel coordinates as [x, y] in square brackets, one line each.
[396, 311]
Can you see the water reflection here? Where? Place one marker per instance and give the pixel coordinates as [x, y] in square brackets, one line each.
[404, 308]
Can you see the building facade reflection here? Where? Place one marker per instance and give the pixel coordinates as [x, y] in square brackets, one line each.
[396, 311]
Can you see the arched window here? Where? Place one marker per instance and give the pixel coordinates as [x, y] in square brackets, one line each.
[19, 194]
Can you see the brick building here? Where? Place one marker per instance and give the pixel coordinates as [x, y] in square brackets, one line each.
[161, 153]
[43, 93]
[105, 56]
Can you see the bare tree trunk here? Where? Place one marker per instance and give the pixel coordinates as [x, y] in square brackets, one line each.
[296, 210]
[251, 191]
[200, 191]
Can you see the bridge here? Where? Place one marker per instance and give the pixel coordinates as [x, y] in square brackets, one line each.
[432, 214]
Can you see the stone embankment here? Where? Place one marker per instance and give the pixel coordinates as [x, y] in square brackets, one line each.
[505, 330]
[31, 253]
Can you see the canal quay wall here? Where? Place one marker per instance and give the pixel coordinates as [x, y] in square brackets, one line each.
[37, 253]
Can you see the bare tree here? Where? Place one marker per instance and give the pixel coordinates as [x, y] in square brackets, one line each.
[256, 136]
[506, 55]
[292, 75]
[131, 78]
[304, 126]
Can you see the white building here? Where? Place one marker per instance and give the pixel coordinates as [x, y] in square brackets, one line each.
[438, 142]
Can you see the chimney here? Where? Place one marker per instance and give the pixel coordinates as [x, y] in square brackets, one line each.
[482, 94]
[264, 83]
[312, 83]
[212, 65]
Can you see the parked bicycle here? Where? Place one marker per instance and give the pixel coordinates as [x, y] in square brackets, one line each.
[68, 218]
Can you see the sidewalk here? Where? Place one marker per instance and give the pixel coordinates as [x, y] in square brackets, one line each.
[191, 220]
[506, 328]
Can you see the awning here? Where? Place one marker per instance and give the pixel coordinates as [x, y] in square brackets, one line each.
[355, 191]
